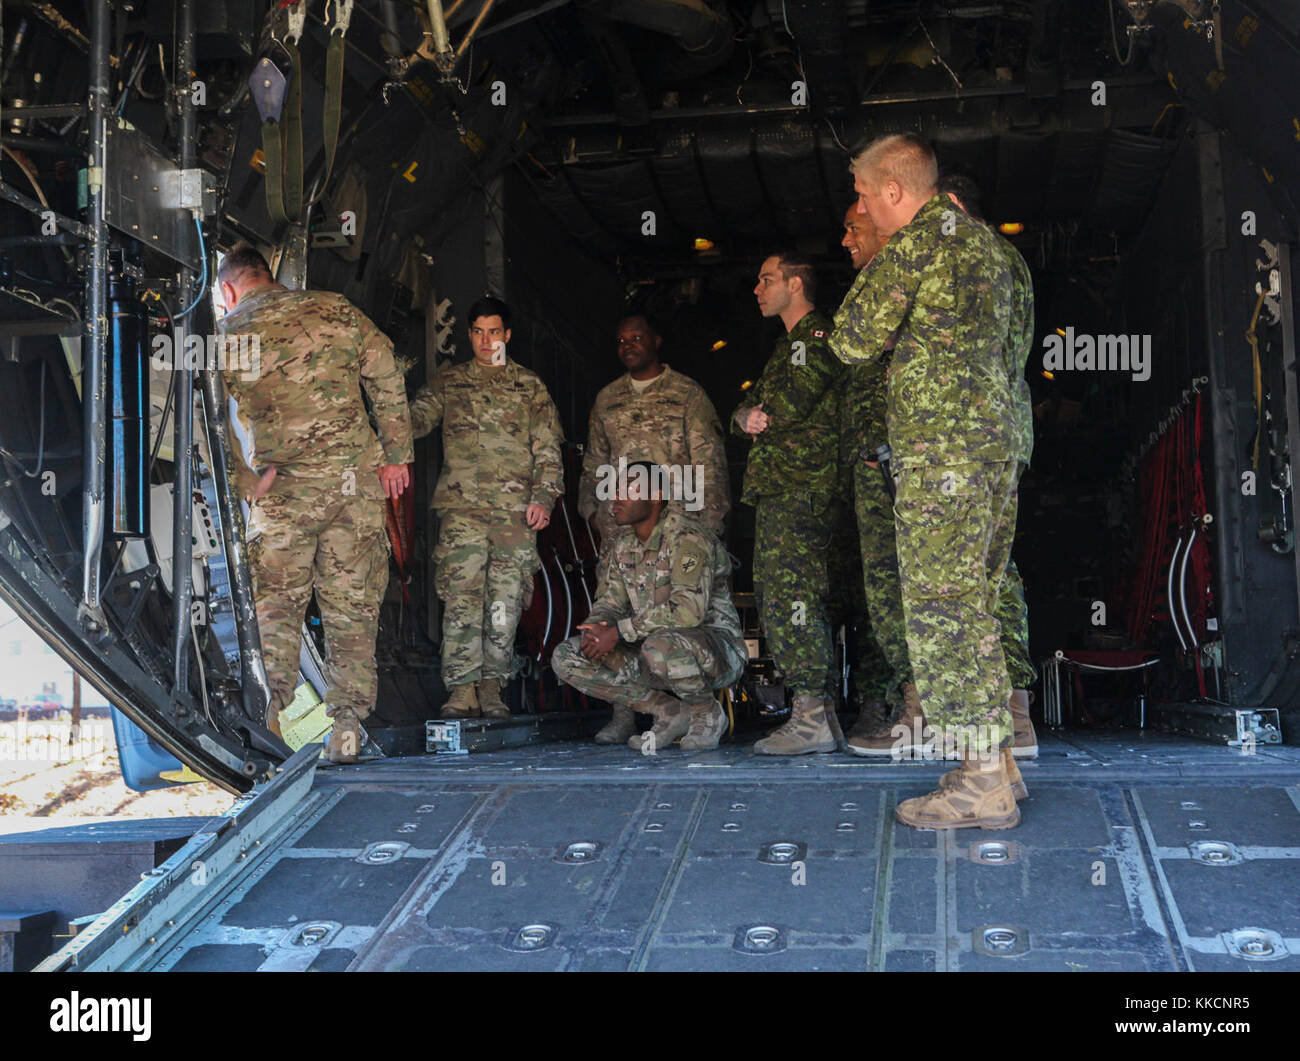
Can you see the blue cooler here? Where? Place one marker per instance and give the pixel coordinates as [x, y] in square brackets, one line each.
[143, 761]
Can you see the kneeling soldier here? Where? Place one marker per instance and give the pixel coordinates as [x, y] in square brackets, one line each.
[664, 622]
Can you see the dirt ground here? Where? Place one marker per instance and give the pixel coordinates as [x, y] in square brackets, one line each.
[48, 779]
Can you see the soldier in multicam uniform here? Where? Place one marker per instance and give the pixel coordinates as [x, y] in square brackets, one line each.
[664, 633]
[1012, 613]
[791, 480]
[941, 288]
[501, 474]
[652, 413]
[317, 517]
[864, 430]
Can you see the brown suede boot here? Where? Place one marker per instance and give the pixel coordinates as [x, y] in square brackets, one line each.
[911, 741]
[490, 703]
[620, 727]
[807, 730]
[1026, 742]
[1018, 787]
[871, 716]
[708, 724]
[462, 702]
[273, 721]
[672, 720]
[344, 742]
[981, 798]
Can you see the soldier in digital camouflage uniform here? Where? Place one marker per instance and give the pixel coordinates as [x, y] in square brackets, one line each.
[664, 633]
[863, 431]
[941, 288]
[791, 480]
[1011, 612]
[501, 474]
[317, 515]
[651, 413]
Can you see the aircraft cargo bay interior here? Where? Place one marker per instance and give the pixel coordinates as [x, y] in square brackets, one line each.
[659, 484]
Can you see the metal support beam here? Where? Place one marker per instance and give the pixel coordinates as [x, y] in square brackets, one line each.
[94, 348]
[183, 381]
[256, 688]
[12, 195]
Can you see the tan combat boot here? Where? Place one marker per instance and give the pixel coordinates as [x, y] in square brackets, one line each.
[1026, 742]
[1018, 787]
[708, 724]
[461, 703]
[490, 703]
[873, 714]
[807, 730]
[273, 721]
[344, 742]
[620, 727]
[912, 741]
[980, 797]
[672, 720]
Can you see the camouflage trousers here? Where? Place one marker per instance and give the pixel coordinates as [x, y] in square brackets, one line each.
[483, 573]
[689, 663]
[1013, 616]
[880, 579]
[869, 672]
[955, 525]
[792, 535]
[307, 535]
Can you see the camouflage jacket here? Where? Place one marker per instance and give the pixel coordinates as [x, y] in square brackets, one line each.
[943, 284]
[670, 422]
[300, 405]
[1020, 344]
[500, 437]
[799, 450]
[678, 578]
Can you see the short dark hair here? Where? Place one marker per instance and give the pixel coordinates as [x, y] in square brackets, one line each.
[242, 258]
[639, 314]
[965, 188]
[487, 306]
[653, 474]
[793, 264]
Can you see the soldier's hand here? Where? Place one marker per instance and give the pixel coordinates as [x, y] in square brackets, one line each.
[396, 478]
[536, 517]
[755, 421]
[598, 639]
[263, 484]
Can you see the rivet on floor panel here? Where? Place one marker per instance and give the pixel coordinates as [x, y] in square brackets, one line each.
[532, 937]
[663, 806]
[759, 939]
[654, 827]
[1000, 941]
[730, 827]
[380, 854]
[1256, 944]
[737, 806]
[848, 806]
[994, 852]
[581, 851]
[782, 852]
[425, 808]
[1215, 853]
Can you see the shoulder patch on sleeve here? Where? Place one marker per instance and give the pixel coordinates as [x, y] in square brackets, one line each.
[820, 333]
[689, 560]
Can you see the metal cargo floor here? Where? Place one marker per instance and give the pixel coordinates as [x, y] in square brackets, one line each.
[1135, 852]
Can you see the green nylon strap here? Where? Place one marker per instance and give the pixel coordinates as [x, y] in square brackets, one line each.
[274, 173]
[293, 137]
[282, 150]
[333, 105]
